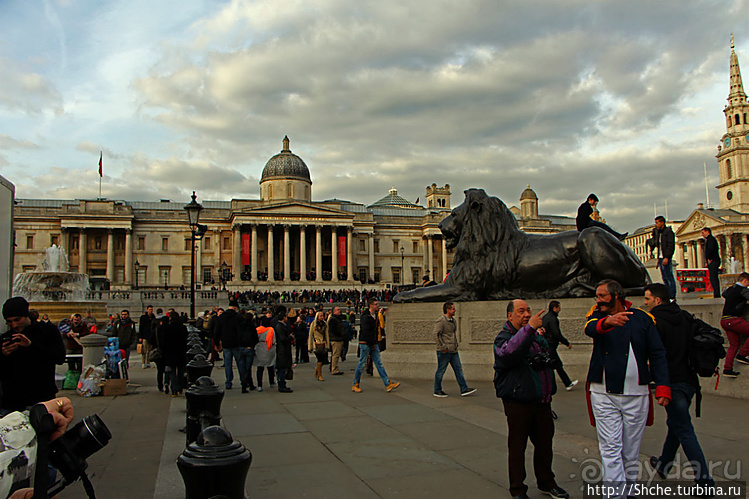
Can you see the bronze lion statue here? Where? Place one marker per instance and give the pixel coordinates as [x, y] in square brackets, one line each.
[495, 260]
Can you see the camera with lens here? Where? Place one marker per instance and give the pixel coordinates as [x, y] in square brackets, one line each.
[69, 452]
[541, 361]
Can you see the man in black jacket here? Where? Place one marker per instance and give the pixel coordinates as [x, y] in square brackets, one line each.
[336, 334]
[368, 346]
[583, 220]
[283, 348]
[226, 335]
[712, 255]
[30, 351]
[554, 337]
[144, 332]
[674, 328]
[665, 242]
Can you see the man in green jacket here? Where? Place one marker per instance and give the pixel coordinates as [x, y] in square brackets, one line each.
[447, 351]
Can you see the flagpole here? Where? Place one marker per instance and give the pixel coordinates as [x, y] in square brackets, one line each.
[101, 156]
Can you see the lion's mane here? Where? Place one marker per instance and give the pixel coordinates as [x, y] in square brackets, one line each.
[488, 248]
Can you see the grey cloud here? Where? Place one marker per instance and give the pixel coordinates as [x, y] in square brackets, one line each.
[26, 91]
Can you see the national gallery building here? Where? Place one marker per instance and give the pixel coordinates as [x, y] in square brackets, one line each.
[283, 240]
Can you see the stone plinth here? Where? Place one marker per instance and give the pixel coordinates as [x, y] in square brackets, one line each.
[411, 344]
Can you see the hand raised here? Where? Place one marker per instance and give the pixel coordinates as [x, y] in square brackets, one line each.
[535, 321]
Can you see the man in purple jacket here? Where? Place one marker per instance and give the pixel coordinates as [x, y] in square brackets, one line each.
[525, 382]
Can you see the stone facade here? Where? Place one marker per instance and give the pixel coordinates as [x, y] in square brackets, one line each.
[283, 240]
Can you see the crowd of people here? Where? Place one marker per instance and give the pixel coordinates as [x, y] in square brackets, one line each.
[354, 297]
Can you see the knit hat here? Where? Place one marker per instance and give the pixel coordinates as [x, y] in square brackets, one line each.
[15, 307]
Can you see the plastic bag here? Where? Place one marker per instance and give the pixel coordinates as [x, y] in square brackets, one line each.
[92, 377]
[71, 380]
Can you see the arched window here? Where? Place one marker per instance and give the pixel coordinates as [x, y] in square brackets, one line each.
[737, 119]
[270, 191]
[729, 173]
[290, 190]
[729, 120]
[745, 118]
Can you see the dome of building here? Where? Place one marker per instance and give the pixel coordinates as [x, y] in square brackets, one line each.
[285, 165]
[393, 199]
[528, 193]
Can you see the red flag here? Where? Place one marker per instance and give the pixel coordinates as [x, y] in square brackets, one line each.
[100, 172]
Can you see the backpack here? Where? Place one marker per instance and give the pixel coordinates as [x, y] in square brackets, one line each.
[706, 348]
[705, 352]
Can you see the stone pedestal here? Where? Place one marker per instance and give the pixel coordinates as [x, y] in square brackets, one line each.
[93, 348]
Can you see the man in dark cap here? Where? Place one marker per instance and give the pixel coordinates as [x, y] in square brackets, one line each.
[227, 336]
[583, 220]
[30, 351]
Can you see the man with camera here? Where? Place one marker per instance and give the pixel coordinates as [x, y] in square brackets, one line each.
[524, 380]
[30, 351]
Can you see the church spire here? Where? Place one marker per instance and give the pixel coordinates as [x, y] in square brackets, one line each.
[737, 96]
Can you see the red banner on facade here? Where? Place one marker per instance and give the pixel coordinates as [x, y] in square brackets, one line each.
[341, 251]
[246, 249]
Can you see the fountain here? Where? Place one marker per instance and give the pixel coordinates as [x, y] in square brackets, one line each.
[56, 291]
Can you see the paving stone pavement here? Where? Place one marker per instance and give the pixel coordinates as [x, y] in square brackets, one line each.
[325, 441]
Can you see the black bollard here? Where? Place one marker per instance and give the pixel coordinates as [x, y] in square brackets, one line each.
[197, 368]
[203, 407]
[195, 350]
[215, 465]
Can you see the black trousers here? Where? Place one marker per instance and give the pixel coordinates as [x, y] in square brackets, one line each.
[529, 420]
[560, 369]
[713, 268]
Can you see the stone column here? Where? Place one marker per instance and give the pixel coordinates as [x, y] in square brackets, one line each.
[128, 257]
[699, 262]
[236, 256]
[430, 258]
[253, 253]
[110, 255]
[217, 248]
[82, 252]
[302, 253]
[334, 251]
[318, 253]
[444, 259]
[370, 247]
[64, 243]
[349, 254]
[682, 259]
[286, 255]
[271, 270]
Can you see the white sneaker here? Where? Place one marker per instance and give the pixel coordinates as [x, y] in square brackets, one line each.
[260, 388]
[571, 385]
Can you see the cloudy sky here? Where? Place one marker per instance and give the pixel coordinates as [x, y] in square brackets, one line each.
[620, 98]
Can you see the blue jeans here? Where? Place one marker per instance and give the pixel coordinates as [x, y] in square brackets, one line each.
[443, 359]
[681, 432]
[174, 378]
[667, 274]
[236, 353]
[364, 352]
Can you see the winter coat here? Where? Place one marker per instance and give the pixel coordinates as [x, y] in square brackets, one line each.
[445, 334]
[515, 377]
[284, 357]
[265, 350]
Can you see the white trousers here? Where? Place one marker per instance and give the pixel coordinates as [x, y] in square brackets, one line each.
[620, 424]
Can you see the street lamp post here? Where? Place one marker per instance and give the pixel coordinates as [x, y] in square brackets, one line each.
[137, 268]
[197, 231]
[403, 276]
